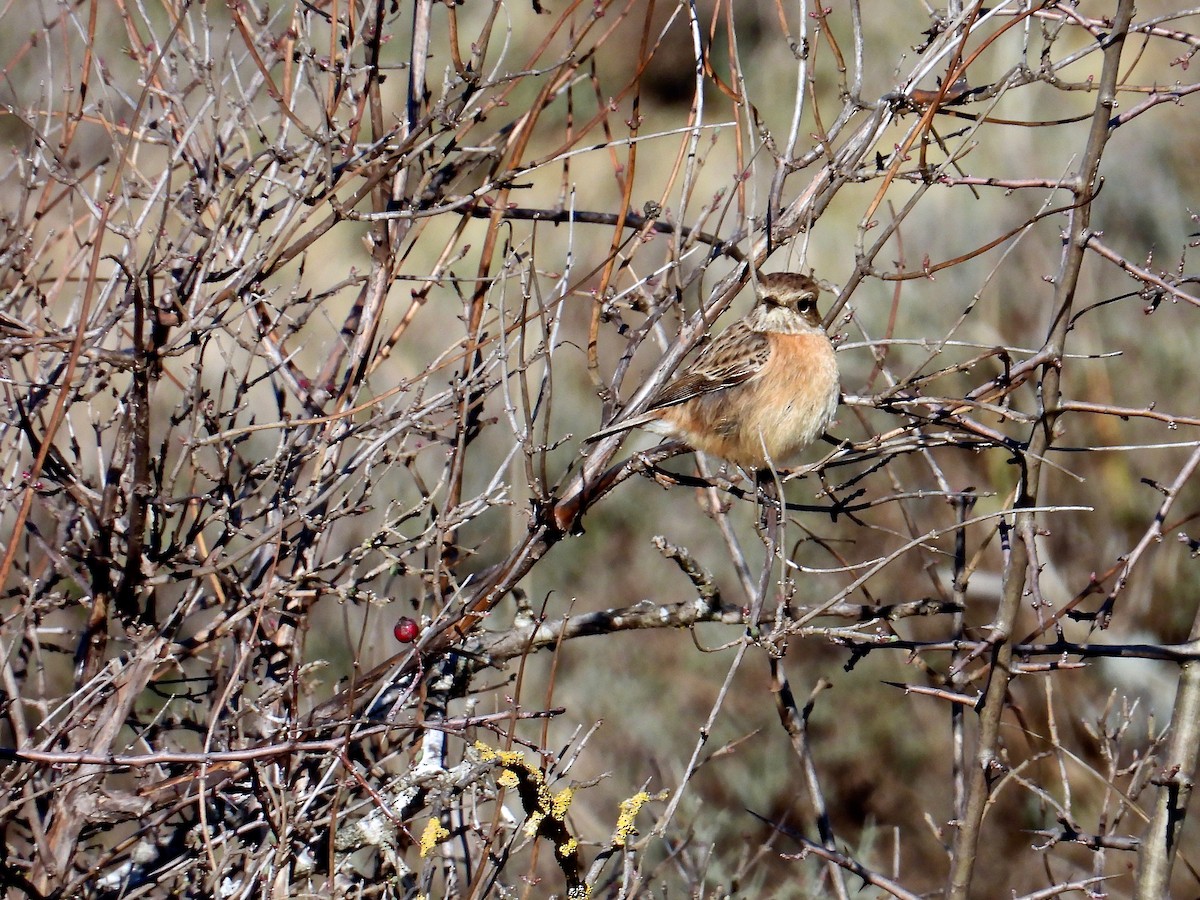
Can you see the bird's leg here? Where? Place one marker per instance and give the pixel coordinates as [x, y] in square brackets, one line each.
[770, 505]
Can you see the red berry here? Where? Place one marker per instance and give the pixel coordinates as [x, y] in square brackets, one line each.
[406, 630]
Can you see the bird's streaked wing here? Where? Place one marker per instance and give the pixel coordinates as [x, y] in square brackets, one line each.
[737, 355]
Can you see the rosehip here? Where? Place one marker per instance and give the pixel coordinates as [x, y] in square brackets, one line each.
[406, 630]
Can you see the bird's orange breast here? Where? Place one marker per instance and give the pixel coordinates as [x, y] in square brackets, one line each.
[774, 414]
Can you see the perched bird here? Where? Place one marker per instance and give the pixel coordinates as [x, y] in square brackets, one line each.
[765, 388]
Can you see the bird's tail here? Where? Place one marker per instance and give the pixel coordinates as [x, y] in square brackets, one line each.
[639, 421]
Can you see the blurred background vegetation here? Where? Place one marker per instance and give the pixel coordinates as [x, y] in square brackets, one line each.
[308, 307]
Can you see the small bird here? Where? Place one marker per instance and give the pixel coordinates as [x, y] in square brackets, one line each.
[763, 390]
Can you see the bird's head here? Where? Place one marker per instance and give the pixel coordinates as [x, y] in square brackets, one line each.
[785, 300]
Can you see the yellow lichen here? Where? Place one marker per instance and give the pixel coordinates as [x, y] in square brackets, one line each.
[629, 811]
[562, 800]
[534, 823]
[433, 834]
[567, 847]
[507, 758]
[486, 753]
[544, 801]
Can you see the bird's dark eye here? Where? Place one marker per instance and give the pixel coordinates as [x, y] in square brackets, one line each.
[806, 304]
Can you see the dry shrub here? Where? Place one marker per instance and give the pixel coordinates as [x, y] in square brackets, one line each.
[307, 308]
